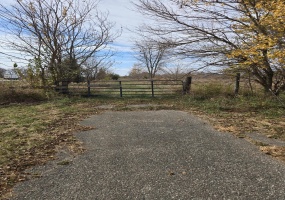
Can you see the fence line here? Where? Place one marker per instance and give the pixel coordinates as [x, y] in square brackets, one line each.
[197, 84]
[231, 84]
[145, 87]
[128, 88]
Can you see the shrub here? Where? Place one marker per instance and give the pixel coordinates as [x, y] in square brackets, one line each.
[21, 94]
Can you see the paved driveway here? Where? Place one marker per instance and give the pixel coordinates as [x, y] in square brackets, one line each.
[158, 155]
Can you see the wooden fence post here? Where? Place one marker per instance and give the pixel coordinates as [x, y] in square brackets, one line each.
[121, 89]
[187, 85]
[64, 87]
[237, 83]
[152, 89]
[57, 88]
[89, 90]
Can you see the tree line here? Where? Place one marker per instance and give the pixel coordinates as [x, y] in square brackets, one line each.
[63, 39]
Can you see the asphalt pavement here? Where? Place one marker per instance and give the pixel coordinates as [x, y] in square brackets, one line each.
[151, 155]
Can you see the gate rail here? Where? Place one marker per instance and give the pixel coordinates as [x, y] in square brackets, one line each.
[128, 88]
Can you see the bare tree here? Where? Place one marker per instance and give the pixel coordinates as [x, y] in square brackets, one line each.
[135, 71]
[2, 72]
[191, 28]
[56, 33]
[151, 55]
[176, 71]
[93, 65]
[243, 34]
[138, 72]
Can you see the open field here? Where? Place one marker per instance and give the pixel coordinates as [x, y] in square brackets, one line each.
[31, 130]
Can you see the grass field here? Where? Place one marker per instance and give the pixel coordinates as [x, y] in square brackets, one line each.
[33, 123]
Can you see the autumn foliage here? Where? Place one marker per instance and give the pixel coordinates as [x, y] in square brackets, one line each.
[245, 36]
[261, 50]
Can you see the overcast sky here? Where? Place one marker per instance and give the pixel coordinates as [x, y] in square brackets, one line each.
[122, 13]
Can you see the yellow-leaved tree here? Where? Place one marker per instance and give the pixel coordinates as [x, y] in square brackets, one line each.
[240, 35]
[261, 42]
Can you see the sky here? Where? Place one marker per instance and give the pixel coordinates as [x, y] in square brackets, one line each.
[121, 12]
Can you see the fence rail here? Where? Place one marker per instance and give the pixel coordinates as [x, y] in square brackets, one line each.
[128, 88]
[201, 85]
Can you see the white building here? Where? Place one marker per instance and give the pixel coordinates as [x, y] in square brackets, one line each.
[10, 75]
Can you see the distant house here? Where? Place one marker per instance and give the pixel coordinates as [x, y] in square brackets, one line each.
[10, 75]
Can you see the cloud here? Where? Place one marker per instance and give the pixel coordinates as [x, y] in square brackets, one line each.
[123, 13]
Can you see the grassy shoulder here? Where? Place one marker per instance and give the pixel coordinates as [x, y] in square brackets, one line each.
[31, 132]
[241, 115]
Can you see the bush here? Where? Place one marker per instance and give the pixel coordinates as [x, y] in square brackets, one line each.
[115, 76]
[22, 95]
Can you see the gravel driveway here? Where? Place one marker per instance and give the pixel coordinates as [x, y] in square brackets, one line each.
[158, 155]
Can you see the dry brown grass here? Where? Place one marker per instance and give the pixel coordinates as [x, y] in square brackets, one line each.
[278, 152]
[30, 134]
[32, 129]
[20, 92]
